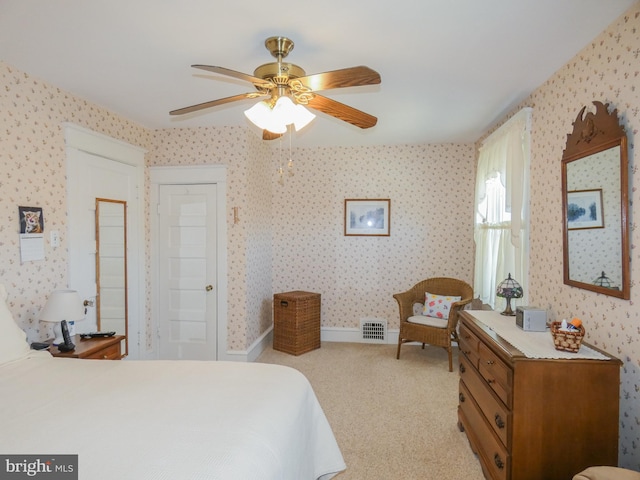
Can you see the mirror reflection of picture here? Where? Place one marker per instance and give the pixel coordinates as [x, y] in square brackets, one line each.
[584, 209]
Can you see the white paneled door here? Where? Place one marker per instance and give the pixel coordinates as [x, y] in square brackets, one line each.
[89, 177]
[187, 272]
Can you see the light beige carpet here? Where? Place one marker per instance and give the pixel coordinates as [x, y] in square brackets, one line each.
[393, 419]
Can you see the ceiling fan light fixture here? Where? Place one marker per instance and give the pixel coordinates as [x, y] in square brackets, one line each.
[259, 114]
[277, 119]
[302, 117]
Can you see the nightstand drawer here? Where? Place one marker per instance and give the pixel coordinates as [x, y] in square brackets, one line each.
[109, 353]
[107, 348]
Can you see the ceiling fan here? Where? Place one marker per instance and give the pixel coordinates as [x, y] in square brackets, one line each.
[285, 80]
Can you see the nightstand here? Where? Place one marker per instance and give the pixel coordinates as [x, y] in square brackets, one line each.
[107, 348]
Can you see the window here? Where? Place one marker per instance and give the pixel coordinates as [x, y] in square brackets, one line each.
[502, 215]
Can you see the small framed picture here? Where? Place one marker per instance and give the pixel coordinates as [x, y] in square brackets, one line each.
[584, 209]
[368, 217]
[31, 220]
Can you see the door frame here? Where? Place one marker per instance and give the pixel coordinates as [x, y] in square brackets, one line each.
[113, 150]
[192, 175]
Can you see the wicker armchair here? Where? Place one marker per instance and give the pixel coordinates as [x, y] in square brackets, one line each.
[439, 333]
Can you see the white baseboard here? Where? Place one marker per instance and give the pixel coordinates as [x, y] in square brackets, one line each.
[352, 335]
[327, 334]
[253, 352]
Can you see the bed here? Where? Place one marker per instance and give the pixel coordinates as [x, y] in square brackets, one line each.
[138, 420]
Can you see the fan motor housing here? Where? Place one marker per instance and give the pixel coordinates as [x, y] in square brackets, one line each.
[271, 70]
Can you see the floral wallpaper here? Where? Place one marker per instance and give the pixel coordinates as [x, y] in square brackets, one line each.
[607, 70]
[431, 230]
[32, 173]
[290, 236]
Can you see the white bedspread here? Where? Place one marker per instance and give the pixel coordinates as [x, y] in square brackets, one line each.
[178, 420]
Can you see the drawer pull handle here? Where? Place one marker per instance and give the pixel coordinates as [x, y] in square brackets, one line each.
[499, 421]
[461, 397]
[490, 362]
[462, 368]
[498, 461]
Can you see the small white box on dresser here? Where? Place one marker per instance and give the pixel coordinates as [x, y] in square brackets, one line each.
[531, 319]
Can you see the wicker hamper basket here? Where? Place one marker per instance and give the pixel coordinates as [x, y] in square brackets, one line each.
[567, 340]
[296, 322]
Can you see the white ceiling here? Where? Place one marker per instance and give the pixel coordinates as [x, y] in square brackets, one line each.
[450, 68]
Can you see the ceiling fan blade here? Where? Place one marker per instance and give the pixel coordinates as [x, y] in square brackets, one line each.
[234, 74]
[343, 112]
[267, 135]
[347, 77]
[213, 103]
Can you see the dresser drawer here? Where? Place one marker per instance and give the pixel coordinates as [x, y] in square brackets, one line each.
[497, 374]
[493, 454]
[495, 412]
[468, 344]
[111, 352]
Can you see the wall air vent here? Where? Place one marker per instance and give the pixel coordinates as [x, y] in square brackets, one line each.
[374, 330]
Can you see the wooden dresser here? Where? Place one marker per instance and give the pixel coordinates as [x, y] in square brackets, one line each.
[107, 348]
[534, 418]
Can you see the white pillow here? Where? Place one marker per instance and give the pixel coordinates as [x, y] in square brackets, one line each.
[438, 305]
[13, 341]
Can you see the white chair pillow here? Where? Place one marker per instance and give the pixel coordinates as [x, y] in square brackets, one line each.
[429, 321]
[438, 306]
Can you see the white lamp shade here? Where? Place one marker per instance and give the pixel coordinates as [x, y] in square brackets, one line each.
[276, 119]
[259, 115]
[302, 117]
[63, 305]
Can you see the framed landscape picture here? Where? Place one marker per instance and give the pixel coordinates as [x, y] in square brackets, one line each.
[368, 217]
[584, 209]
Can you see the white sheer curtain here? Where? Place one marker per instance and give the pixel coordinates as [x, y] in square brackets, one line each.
[502, 209]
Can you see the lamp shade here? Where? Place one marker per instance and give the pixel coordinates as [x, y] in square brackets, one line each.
[276, 119]
[509, 289]
[63, 305]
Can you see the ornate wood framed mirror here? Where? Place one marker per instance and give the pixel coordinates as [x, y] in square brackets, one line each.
[595, 204]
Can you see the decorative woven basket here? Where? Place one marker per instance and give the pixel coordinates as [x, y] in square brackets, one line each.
[567, 340]
[296, 322]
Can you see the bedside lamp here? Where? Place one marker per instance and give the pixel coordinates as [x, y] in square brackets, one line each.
[509, 289]
[62, 305]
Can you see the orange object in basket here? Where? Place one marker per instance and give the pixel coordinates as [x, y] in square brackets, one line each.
[576, 322]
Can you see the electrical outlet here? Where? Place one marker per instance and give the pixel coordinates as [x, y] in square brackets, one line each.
[54, 238]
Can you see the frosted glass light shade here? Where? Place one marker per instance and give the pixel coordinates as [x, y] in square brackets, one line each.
[276, 119]
[302, 117]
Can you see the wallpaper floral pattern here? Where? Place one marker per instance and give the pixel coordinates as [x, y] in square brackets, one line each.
[291, 236]
[431, 194]
[607, 70]
[32, 173]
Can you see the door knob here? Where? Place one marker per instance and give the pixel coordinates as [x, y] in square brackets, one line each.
[88, 303]
[208, 288]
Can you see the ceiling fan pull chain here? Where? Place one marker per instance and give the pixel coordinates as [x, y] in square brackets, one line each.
[290, 164]
[280, 169]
